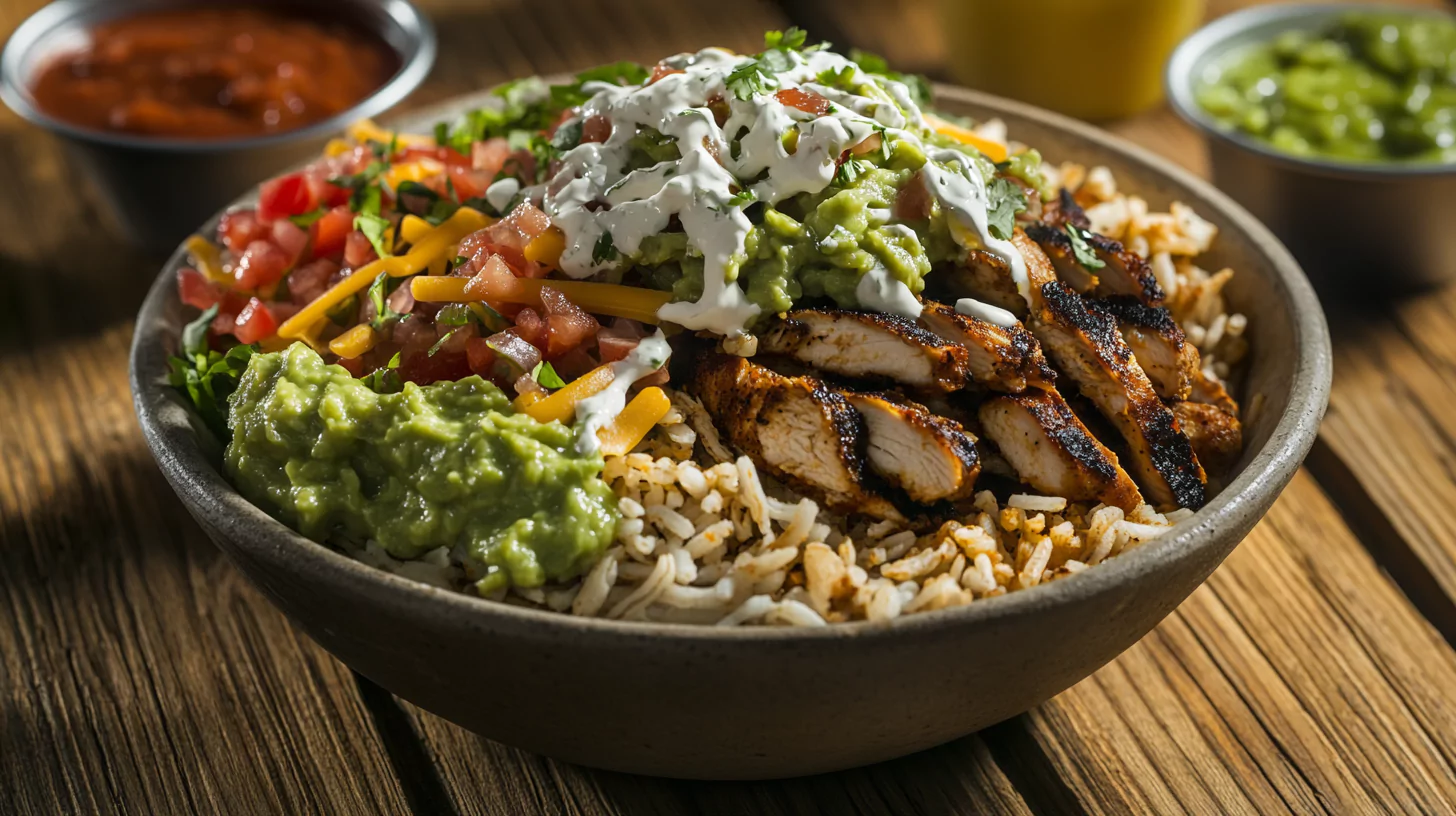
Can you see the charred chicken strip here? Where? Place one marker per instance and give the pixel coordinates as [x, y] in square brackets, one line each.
[869, 344]
[1122, 272]
[1088, 349]
[795, 428]
[1216, 435]
[984, 276]
[1209, 391]
[1157, 342]
[1053, 452]
[930, 457]
[1000, 358]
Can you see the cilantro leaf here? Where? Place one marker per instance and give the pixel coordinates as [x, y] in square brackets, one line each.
[440, 342]
[749, 80]
[743, 198]
[454, 314]
[437, 208]
[546, 376]
[567, 136]
[836, 77]
[307, 219]
[605, 249]
[793, 38]
[376, 229]
[1083, 253]
[206, 376]
[918, 86]
[850, 171]
[364, 187]
[384, 380]
[379, 297]
[1003, 201]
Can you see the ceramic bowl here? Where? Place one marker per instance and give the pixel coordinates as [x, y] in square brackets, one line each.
[752, 703]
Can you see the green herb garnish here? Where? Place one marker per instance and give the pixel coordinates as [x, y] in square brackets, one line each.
[208, 377]
[376, 228]
[1003, 201]
[605, 249]
[1083, 253]
[546, 376]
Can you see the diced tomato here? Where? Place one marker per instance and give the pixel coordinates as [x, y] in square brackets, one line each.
[596, 129]
[913, 201]
[447, 155]
[262, 263]
[468, 183]
[291, 239]
[661, 70]
[357, 250]
[806, 101]
[326, 194]
[255, 323]
[197, 291]
[331, 231]
[224, 323]
[490, 155]
[613, 347]
[574, 364]
[480, 356]
[567, 325]
[239, 228]
[285, 196]
[422, 368]
[311, 280]
[532, 328]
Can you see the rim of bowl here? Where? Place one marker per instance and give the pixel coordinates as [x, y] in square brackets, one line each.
[416, 53]
[1188, 58]
[175, 444]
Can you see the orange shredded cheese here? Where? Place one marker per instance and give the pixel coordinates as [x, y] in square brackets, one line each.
[547, 247]
[561, 405]
[645, 410]
[428, 248]
[208, 259]
[354, 342]
[610, 299]
[526, 400]
[995, 151]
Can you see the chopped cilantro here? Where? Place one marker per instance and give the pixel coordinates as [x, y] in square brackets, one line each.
[384, 380]
[454, 314]
[436, 209]
[743, 198]
[850, 170]
[1003, 201]
[1083, 253]
[918, 86]
[206, 376]
[376, 229]
[380, 299]
[605, 249]
[567, 136]
[363, 187]
[307, 219]
[793, 38]
[546, 376]
[749, 80]
[440, 342]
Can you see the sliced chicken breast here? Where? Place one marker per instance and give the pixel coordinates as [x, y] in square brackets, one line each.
[795, 428]
[1053, 452]
[869, 344]
[1158, 343]
[930, 457]
[1217, 436]
[1088, 349]
[1000, 358]
[1209, 391]
[1123, 272]
[984, 276]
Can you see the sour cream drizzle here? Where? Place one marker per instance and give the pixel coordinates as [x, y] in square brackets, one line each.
[970, 307]
[697, 187]
[597, 411]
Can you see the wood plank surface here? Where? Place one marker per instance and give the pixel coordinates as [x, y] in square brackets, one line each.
[140, 674]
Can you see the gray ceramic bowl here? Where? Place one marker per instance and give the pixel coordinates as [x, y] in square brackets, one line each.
[710, 703]
[1349, 224]
[158, 189]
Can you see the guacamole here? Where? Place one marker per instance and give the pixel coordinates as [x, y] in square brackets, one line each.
[1369, 87]
[442, 465]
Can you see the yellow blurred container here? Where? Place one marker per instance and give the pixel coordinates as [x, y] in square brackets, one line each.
[1094, 59]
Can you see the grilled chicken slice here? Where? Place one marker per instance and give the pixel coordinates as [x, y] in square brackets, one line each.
[1216, 435]
[1051, 450]
[1001, 358]
[983, 275]
[869, 344]
[1209, 391]
[793, 427]
[1158, 343]
[930, 457]
[1089, 350]
[1123, 272]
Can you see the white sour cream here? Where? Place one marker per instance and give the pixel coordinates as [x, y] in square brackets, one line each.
[594, 195]
[598, 411]
[970, 307]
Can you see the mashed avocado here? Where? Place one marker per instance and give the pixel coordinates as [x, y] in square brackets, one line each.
[442, 465]
[820, 244]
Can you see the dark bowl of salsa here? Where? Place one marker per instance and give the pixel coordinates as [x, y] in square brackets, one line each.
[173, 107]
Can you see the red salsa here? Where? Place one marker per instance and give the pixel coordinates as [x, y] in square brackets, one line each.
[213, 73]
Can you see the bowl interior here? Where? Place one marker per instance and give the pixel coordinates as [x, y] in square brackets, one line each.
[1289, 370]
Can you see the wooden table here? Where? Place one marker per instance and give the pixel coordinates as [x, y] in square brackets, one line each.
[139, 674]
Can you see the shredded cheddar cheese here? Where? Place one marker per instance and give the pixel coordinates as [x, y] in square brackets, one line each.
[547, 247]
[645, 410]
[995, 151]
[208, 259]
[561, 405]
[429, 247]
[526, 400]
[354, 342]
